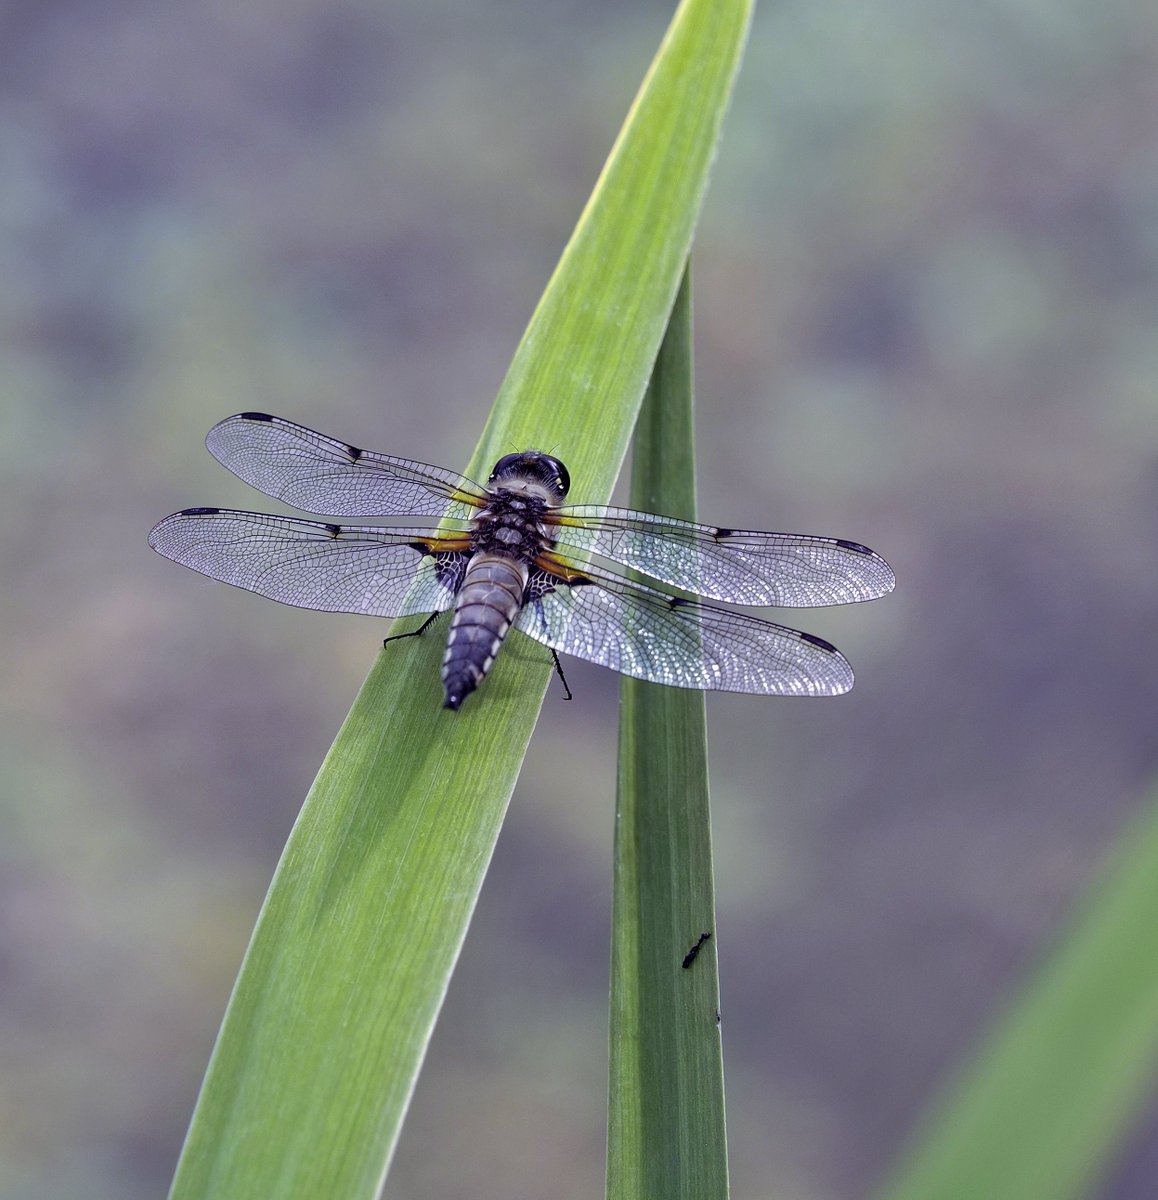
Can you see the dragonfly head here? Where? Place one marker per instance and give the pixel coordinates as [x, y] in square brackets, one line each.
[535, 469]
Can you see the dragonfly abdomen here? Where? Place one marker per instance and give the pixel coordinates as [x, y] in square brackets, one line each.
[486, 607]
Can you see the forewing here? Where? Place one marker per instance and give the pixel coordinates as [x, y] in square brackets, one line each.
[644, 633]
[333, 568]
[740, 566]
[320, 474]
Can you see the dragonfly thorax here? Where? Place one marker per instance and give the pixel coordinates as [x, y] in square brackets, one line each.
[511, 525]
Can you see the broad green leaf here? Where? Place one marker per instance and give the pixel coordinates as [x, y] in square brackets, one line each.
[331, 1014]
[1058, 1083]
[666, 1106]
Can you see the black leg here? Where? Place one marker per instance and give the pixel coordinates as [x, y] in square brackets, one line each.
[559, 672]
[397, 637]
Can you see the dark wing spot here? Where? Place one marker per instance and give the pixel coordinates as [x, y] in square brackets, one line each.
[256, 417]
[334, 530]
[199, 512]
[449, 568]
[721, 532]
[354, 453]
[539, 584]
[677, 602]
[818, 641]
[855, 547]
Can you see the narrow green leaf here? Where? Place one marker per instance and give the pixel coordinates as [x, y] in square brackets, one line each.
[1058, 1084]
[325, 1032]
[666, 1108]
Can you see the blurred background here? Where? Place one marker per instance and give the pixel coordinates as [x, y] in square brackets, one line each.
[926, 303]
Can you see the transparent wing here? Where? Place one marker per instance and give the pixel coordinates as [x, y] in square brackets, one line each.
[644, 633]
[320, 474]
[334, 568]
[740, 566]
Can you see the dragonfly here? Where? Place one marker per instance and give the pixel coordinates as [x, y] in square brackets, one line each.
[511, 555]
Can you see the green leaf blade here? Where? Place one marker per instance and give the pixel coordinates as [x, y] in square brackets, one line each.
[604, 312]
[352, 954]
[666, 1134]
[1056, 1086]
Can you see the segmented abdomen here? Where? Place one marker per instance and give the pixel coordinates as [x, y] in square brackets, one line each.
[488, 603]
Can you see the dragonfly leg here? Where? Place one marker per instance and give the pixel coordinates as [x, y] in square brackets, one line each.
[562, 677]
[397, 637]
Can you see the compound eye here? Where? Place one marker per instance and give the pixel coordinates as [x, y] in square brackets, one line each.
[562, 476]
[504, 466]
